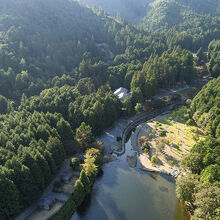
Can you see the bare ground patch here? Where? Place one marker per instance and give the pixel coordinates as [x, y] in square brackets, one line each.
[170, 148]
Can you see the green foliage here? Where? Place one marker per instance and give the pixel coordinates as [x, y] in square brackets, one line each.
[84, 136]
[193, 162]
[79, 192]
[85, 181]
[64, 130]
[75, 163]
[67, 210]
[162, 133]
[190, 122]
[214, 58]
[145, 147]
[211, 174]
[93, 162]
[185, 188]
[9, 198]
[207, 201]
[73, 72]
[205, 107]
[3, 105]
[82, 188]
[138, 107]
[193, 23]
[31, 151]
[155, 159]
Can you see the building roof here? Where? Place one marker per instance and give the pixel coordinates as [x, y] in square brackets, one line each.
[46, 201]
[122, 93]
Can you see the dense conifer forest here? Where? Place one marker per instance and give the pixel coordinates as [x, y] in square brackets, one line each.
[59, 63]
[201, 186]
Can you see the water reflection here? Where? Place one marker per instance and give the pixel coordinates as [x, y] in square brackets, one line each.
[124, 193]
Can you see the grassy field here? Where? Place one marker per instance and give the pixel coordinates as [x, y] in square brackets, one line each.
[171, 138]
[179, 137]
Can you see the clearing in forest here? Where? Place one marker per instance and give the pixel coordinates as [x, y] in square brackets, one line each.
[168, 139]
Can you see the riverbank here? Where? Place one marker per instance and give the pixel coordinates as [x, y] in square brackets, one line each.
[169, 148]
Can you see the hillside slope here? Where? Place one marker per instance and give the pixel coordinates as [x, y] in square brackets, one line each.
[40, 39]
[196, 22]
[205, 108]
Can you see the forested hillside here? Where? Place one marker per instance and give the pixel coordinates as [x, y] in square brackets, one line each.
[60, 62]
[201, 186]
[193, 22]
[37, 42]
[205, 108]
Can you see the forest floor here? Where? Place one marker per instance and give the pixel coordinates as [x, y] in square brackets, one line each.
[169, 149]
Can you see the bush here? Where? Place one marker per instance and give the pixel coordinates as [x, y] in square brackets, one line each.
[190, 122]
[171, 162]
[162, 133]
[66, 211]
[138, 107]
[153, 132]
[79, 192]
[75, 163]
[145, 147]
[155, 159]
[85, 181]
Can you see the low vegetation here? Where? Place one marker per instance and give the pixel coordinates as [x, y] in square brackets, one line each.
[83, 185]
[155, 160]
[75, 163]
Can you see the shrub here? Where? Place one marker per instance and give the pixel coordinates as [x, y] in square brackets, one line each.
[145, 147]
[153, 132]
[85, 181]
[171, 162]
[190, 122]
[75, 163]
[138, 107]
[79, 192]
[188, 102]
[162, 133]
[154, 159]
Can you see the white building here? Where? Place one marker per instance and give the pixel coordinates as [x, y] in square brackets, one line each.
[122, 93]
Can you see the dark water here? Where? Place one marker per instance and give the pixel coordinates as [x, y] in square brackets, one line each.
[125, 193]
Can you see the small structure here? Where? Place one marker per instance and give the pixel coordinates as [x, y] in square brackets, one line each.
[66, 176]
[122, 93]
[46, 202]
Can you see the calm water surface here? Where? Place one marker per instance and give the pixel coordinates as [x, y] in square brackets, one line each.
[125, 193]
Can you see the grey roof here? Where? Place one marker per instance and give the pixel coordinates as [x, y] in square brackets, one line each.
[122, 93]
[46, 201]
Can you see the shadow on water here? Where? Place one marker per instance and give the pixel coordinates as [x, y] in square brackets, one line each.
[101, 211]
[124, 193]
[129, 135]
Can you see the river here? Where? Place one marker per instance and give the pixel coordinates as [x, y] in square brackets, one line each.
[124, 193]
